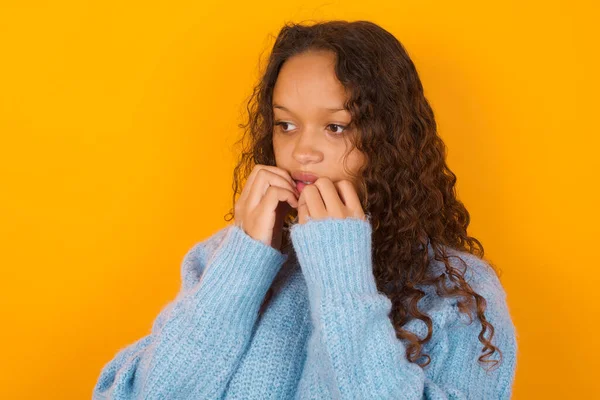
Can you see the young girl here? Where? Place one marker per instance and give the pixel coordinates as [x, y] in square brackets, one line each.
[348, 273]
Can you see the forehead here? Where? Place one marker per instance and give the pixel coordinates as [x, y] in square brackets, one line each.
[309, 79]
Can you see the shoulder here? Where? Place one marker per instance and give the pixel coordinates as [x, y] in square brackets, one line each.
[483, 280]
[478, 272]
[457, 346]
[196, 258]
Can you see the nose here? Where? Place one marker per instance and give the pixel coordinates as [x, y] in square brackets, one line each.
[307, 148]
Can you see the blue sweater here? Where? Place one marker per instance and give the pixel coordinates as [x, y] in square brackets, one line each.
[326, 333]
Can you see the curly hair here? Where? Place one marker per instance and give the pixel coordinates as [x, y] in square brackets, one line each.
[406, 188]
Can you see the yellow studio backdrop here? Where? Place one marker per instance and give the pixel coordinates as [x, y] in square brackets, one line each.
[118, 120]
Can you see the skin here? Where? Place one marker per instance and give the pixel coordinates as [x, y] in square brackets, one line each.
[312, 138]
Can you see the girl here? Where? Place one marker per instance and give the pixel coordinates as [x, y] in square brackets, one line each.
[348, 273]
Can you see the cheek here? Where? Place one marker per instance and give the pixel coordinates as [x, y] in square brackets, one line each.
[279, 143]
[277, 150]
[355, 161]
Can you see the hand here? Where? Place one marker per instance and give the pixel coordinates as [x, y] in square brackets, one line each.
[266, 199]
[326, 199]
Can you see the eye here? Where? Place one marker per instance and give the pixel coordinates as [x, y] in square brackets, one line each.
[281, 123]
[339, 126]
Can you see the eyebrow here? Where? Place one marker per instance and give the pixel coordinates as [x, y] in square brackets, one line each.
[332, 110]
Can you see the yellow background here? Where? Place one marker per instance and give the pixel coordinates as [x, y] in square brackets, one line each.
[117, 123]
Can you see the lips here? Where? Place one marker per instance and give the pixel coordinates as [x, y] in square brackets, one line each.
[301, 185]
[304, 177]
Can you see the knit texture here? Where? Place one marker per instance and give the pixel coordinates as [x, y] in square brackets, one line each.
[326, 333]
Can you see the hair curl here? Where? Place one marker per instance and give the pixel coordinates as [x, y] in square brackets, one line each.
[405, 185]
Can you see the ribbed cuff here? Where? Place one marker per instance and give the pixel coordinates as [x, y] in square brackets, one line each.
[239, 274]
[335, 255]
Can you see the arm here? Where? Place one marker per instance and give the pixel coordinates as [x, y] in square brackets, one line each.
[197, 340]
[354, 353]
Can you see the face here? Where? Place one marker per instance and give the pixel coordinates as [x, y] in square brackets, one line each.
[310, 133]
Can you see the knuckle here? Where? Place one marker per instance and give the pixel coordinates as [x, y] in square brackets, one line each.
[310, 188]
[256, 169]
[319, 183]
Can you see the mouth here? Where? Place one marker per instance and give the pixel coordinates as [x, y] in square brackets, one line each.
[300, 185]
[302, 176]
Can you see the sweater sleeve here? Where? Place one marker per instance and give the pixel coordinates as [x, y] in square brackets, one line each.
[353, 351]
[197, 340]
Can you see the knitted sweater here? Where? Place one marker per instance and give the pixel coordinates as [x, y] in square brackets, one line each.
[325, 334]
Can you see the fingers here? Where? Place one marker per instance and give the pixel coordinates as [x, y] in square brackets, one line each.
[263, 180]
[302, 209]
[264, 201]
[273, 196]
[333, 205]
[350, 197]
[313, 202]
[275, 170]
[325, 198]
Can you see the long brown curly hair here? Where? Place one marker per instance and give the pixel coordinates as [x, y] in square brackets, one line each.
[406, 188]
